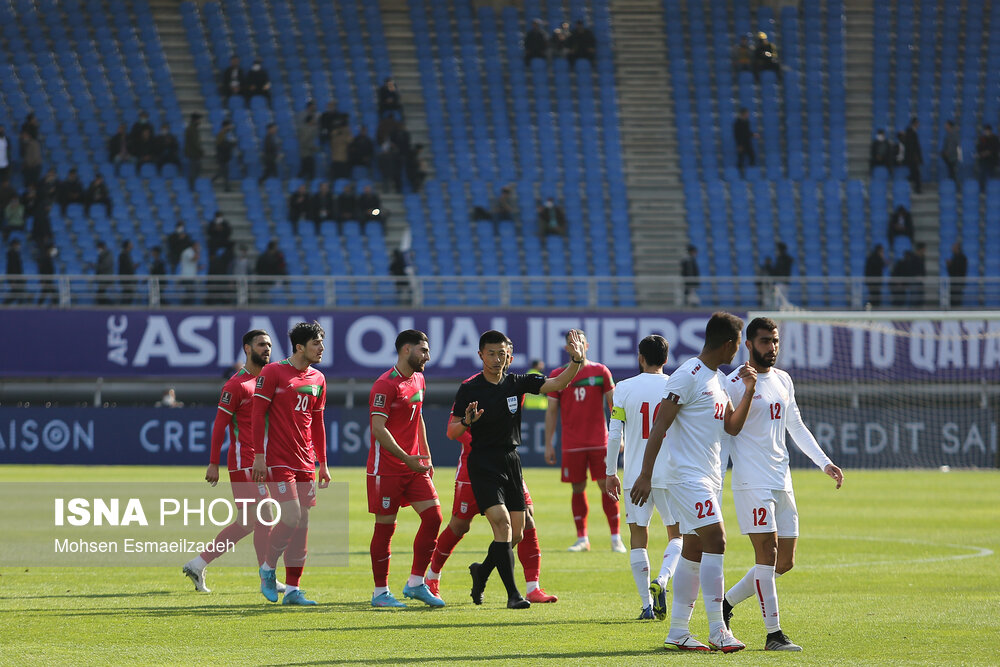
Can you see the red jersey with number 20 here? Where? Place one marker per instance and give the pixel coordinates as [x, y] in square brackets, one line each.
[400, 400]
[235, 407]
[581, 407]
[288, 405]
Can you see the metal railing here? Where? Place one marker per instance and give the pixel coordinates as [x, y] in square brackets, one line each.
[488, 292]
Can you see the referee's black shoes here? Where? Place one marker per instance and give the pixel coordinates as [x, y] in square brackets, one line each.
[518, 603]
[478, 585]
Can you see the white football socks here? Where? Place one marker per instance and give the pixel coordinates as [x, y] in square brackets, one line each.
[744, 588]
[685, 594]
[712, 589]
[767, 593]
[379, 590]
[414, 580]
[532, 586]
[670, 557]
[639, 561]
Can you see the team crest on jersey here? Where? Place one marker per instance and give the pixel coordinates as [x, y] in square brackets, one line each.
[282, 488]
[673, 398]
[260, 381]
[512, 404]
[226, 397]
[386, 501]
[464, 507]
[379, 401]
[262, 489]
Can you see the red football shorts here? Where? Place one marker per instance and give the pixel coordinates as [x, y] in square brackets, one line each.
[575, 464]
[387, 493]
[465, 506]
[286, 484]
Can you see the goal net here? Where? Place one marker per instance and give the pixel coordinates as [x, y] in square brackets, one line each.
[907, 389]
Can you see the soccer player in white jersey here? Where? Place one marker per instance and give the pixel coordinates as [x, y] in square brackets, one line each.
[636, 401]
[698, 413]
[762, 482]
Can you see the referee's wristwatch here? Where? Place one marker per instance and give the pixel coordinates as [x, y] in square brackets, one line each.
[464, 423]
[577, 361]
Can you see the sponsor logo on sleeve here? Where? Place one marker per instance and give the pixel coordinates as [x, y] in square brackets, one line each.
[379, 401]
[226, 397]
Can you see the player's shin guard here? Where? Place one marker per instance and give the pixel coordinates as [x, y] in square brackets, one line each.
[671, 555]
[639, 560]
[580, 509]
[767, 595]
[426, 539]
[261, 535]
[226, 538]
[686, 581]
[530, 555]
[613, 511]
[446, 542]
[281, 535]
[379, 549]
[713, 587]
[502, 556]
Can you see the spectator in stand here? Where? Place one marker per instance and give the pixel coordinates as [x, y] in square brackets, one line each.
[177, 242]
[118, 148]
[31, 158]
[899, 150]
[534, 42]
[389, 101]
[559, 41]
[329, 120]
[505, 207]
[390, 165]
[31, 125]
[192, 148]
[416, 166]
[71, 191]
[988, 155]
[582, 43]
[900, 223]
[743, 55]
[145, 148]
[347, 204]
[4, 154]
[219, 234]
[272, 152]
[169, 399]
[48, 189]
[41, 225]
[13, 217]
[322, 206]
[951, 150]
[7, 192]
[138, 128]
[912, 154]
[30, 200]
[258, 82]
[400, 137]
[744, 137]
[127, 269]
[880, 153]
[225, 142]
[271, 262]
[781, 266]
[551, 218]
[47, 267]
[307, 132]
[298, 206]
[241, 263]
[104, 266]
[361, 152]
[233, 79]
[340, 140]
[188, 271]
[899, 279]
[918, 271]
[387, 125]
[15, 269]
[400, 268]
[157, 267]
[166, 148]
[369, 205]
[765, 56]
[958, 268]
[875, 266]
[690, 273]
[97, 193]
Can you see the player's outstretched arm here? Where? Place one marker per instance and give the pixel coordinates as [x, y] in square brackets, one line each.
[414, 462]
[736, 417]
[664, 418]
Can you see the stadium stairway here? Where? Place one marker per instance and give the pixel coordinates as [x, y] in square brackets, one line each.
[652, 167]
[859, 58]
[178, 52]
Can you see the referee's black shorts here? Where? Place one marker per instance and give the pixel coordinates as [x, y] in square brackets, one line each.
[496, 480]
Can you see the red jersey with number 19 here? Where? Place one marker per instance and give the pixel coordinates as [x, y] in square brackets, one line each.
[289, 406]
[235, 403]
[581, 407]
[400, 400]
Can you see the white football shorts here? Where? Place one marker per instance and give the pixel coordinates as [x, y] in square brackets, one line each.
[641, 516]
[767, 511]
[694, 505]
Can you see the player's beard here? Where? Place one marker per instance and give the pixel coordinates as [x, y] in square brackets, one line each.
[762, 361]
[416, 363]
[258, 360]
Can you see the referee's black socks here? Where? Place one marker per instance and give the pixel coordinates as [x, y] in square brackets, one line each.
[501, 556]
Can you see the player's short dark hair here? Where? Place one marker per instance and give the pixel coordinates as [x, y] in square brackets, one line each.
[493, 337]
[653, 349]
[569, 331]
[722, 327]
[760, 324]
[303, 332]
[409, 337]
[249, 336]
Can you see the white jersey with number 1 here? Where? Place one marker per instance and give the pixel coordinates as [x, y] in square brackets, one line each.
[635, 404]
[759, 453]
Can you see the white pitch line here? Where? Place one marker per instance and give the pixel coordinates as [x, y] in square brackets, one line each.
[980, 552]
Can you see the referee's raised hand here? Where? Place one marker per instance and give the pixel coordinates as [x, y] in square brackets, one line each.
[472, 412]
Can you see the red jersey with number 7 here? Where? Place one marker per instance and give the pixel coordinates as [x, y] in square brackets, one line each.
[581, 407]
[400, 400]
[288, 404]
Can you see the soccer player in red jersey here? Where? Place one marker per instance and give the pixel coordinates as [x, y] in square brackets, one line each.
[584, 442]
[464, 510]
[289, 438]
[234, 415]
[399, 466]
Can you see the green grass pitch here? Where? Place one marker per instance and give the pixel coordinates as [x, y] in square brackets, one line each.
[898, 567]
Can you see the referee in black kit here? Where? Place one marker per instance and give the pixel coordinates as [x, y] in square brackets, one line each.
[489, 406]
